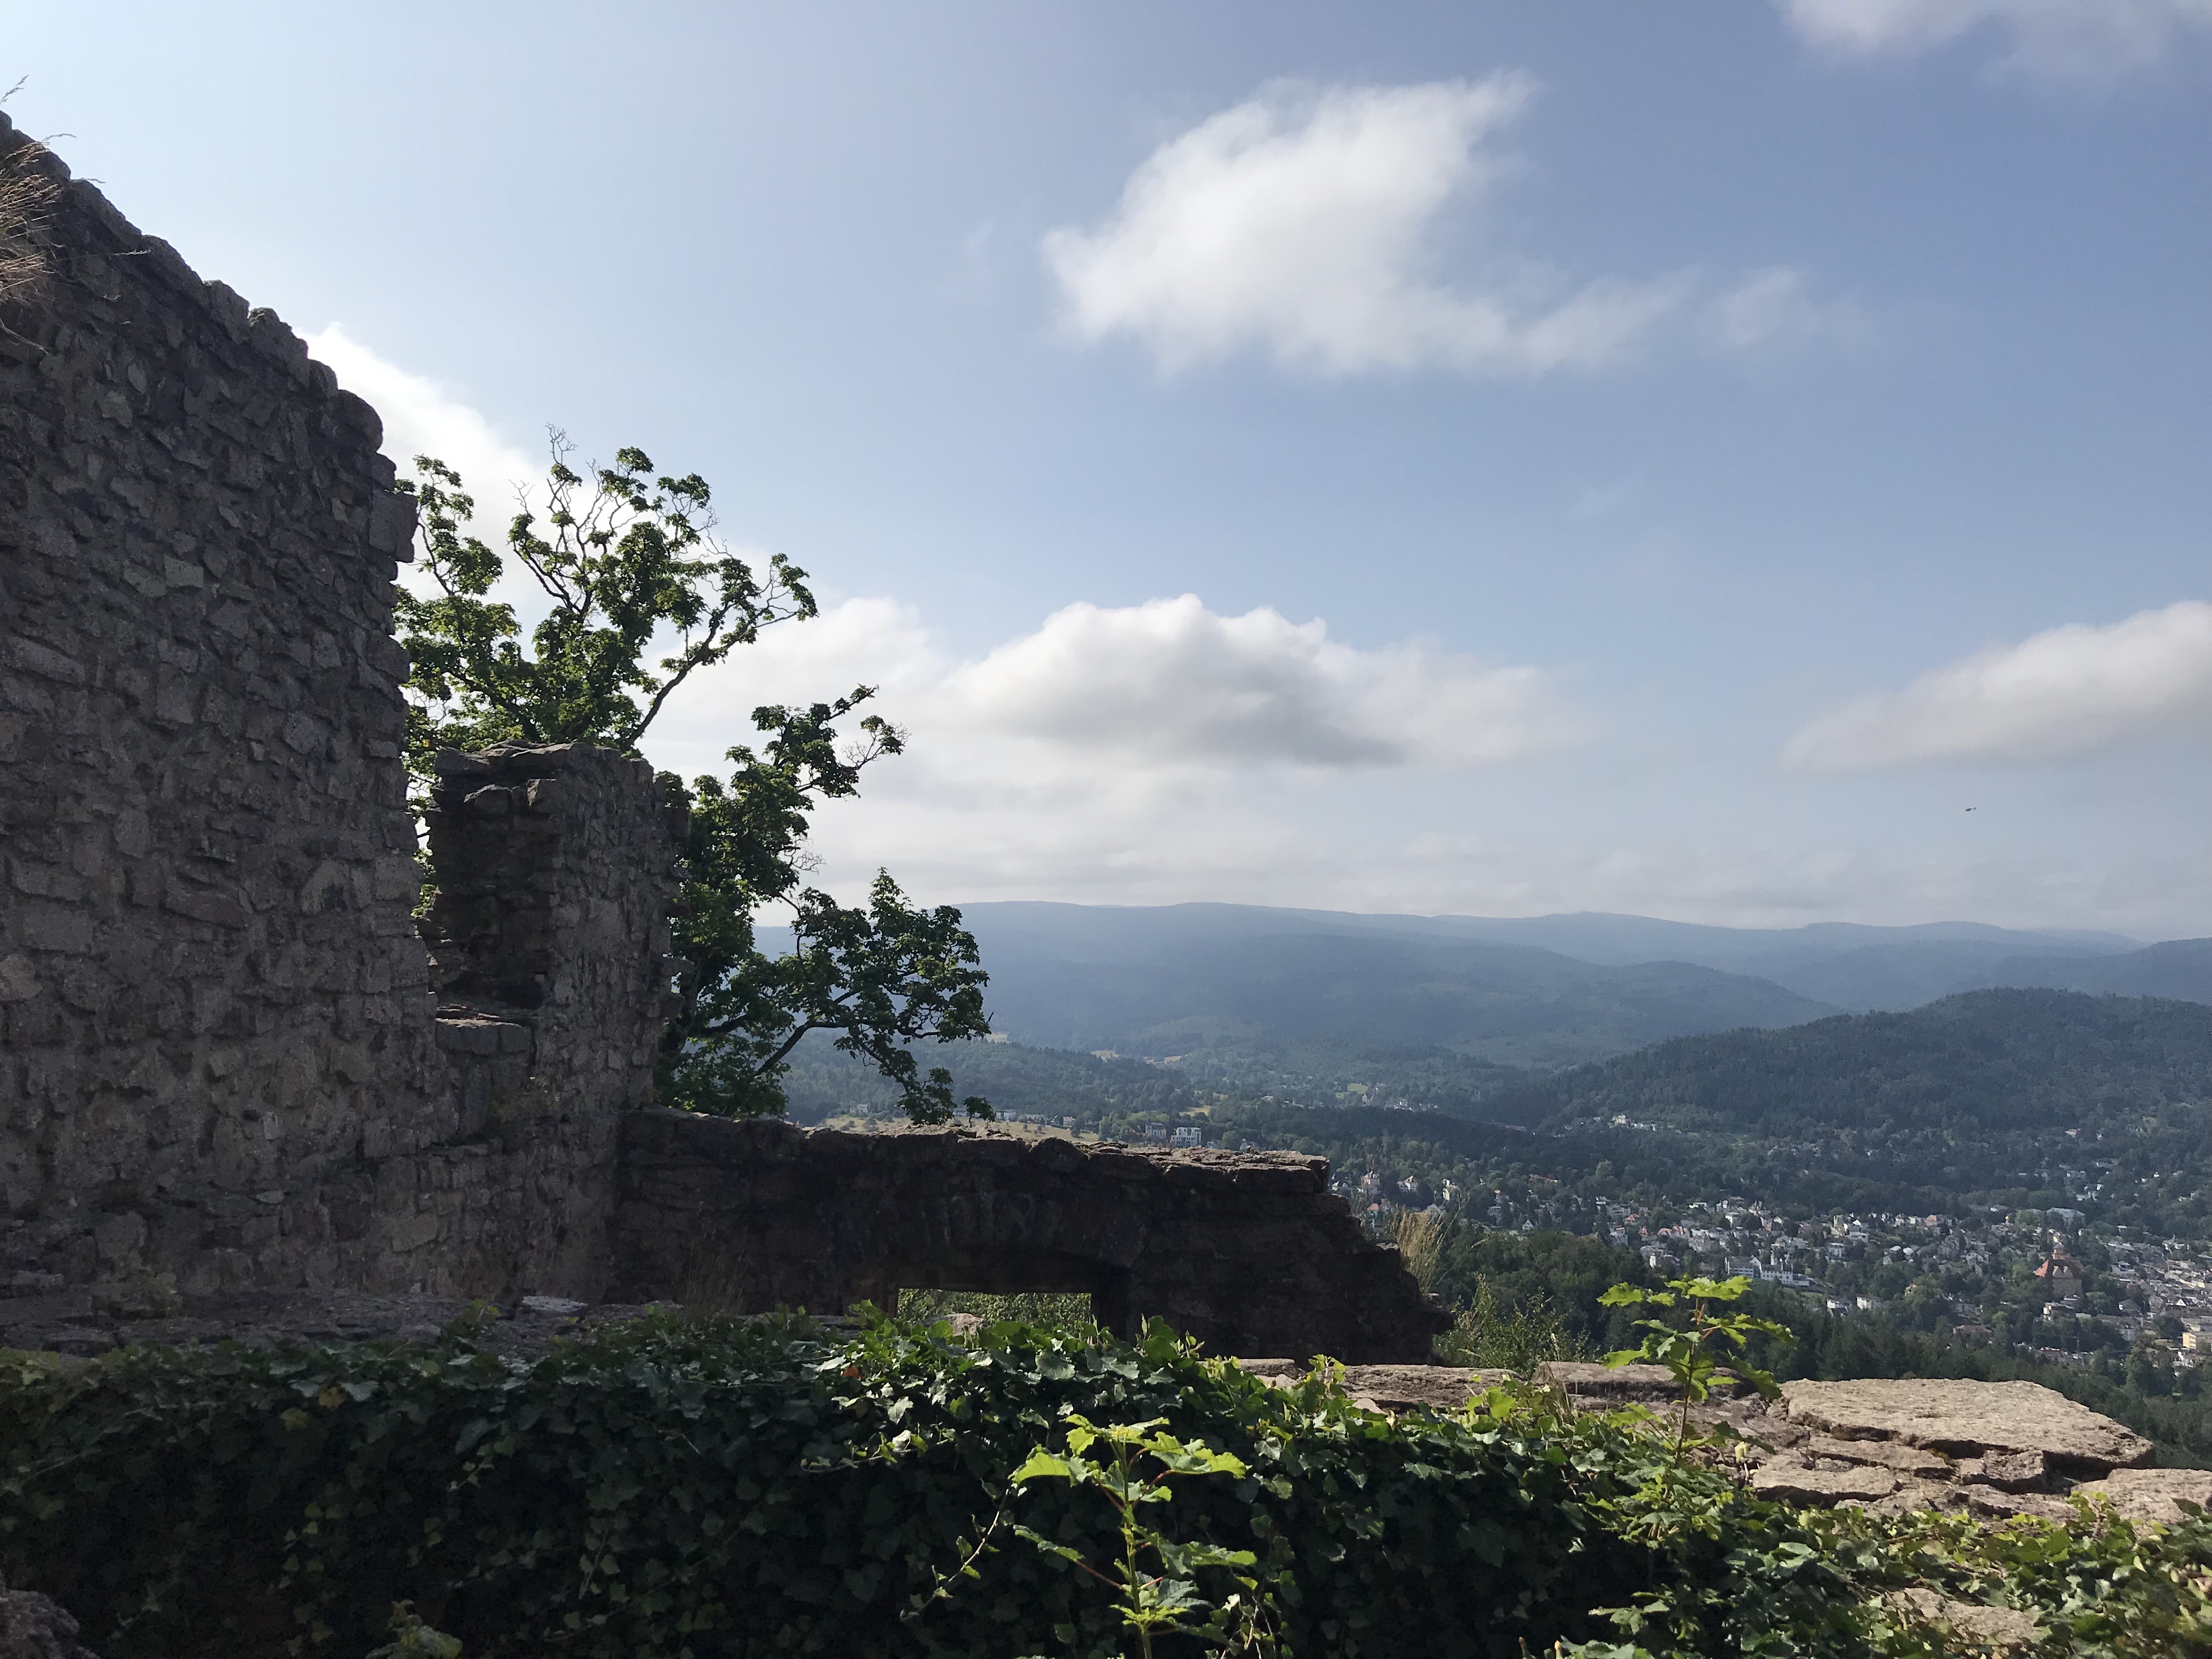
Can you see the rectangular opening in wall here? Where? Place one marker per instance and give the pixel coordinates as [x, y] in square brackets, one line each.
[1035, 1287]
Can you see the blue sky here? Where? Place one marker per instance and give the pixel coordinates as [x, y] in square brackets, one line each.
[1492, 458]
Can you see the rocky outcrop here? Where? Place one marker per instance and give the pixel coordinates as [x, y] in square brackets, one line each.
[1992, 1449]
[1968, 1420]
[2152, 1494]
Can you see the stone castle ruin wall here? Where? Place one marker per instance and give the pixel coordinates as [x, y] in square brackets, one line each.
[218, 1055]
[1249, 1252]
[230, 1057]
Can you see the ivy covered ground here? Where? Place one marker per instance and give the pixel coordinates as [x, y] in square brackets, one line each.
[736, 1488]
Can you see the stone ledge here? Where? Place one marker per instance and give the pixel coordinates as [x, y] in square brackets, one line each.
[70, 1324]
[1966, 1419]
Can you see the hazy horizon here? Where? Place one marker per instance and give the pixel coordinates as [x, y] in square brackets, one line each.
[1619, 916]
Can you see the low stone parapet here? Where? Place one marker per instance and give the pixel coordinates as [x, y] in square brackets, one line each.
[1250, 1252]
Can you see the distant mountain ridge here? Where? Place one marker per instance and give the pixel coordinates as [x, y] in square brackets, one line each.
[2180, 968]
[1844, 965]
[1160, 981]
[1980, 1062]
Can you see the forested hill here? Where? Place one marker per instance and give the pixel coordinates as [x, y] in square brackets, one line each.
[1223, 980]
[1985, 1060]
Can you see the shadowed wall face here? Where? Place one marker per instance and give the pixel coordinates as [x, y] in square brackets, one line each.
[556, 868]
[220, 1059]
[208, 980]
[1249, 1252]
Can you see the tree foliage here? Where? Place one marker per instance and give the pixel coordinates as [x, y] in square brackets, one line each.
[627, 564]
[624, 557]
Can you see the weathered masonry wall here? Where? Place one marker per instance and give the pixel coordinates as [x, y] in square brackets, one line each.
[218, 1055]
[210, 980]
[1249, 1252]
[550, 940]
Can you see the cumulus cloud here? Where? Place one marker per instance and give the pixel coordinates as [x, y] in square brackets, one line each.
[2068, 691]
[1132, 754]
[1165, 686]
[2046, 37]
[1173, 679]
[1298, 222]
[1301, 223]
[423, 417]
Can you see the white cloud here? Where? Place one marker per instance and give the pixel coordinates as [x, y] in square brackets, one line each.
[1776, 309]
[423, 417]
[1165, 687]
[1172, 679]
[2061, 38]
[1298, 222]
[1161, 752]
[2068, 691]
[1301, 223]
[1152, 752]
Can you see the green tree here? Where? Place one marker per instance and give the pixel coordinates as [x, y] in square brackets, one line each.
[627, 560]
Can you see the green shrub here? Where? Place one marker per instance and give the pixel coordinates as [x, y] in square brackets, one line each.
[1071, 1310]
[735, 1488]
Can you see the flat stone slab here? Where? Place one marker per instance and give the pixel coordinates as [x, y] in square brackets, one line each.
[1641, 1383]
[1821, 1488]
[1881, 1454]
[1439, 1388]
[2152, 1494]
[1914, 1496]
[1966, 1419]
[1993, 1504]
[1393, 1388]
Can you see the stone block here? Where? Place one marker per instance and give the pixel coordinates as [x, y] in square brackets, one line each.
[2023, 1470]
[2154, 1495]
[1967, 1419]
[1622, 1384]
[1882, 1454]
[1985, 1630]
